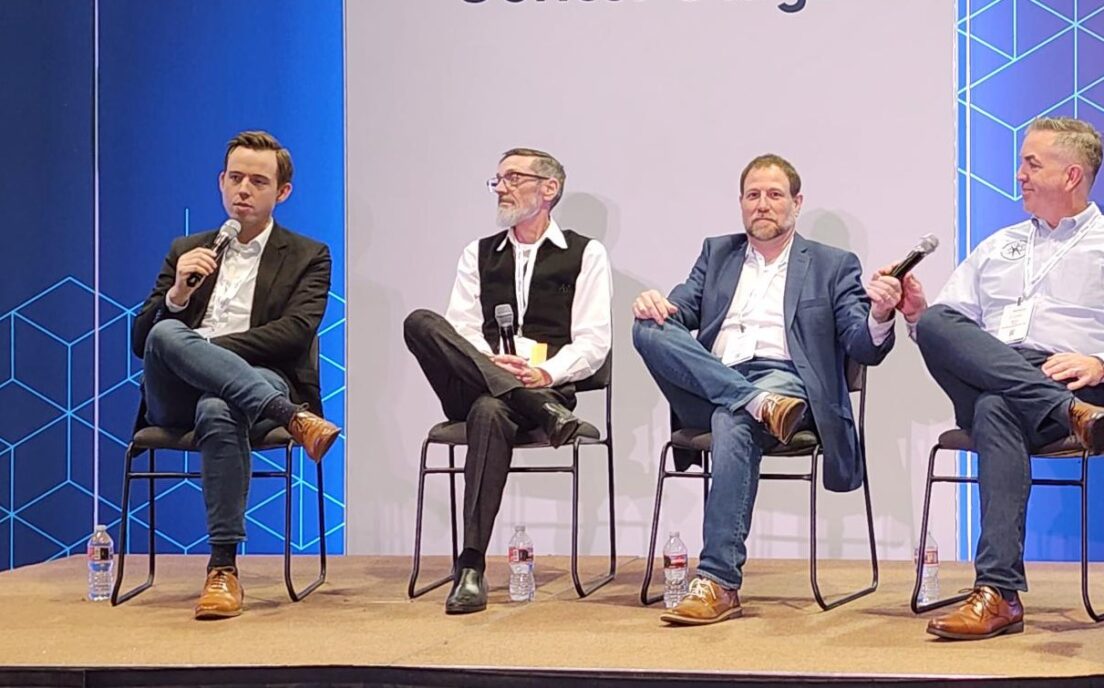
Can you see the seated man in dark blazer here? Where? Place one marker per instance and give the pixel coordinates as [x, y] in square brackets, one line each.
[776, 316]
[229, 353]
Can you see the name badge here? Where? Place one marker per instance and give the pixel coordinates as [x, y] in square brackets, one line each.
[740, 346]
[1015, 321]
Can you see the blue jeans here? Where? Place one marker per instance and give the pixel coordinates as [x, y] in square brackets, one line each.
[190, 382]
[704, 393]
[1010, 408]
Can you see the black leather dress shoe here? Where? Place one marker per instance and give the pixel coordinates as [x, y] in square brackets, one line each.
[469, 593]
[560, 424]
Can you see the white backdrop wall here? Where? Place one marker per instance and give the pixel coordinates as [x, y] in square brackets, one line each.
[654, 107]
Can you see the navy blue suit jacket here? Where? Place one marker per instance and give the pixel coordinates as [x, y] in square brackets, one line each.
[826, 310]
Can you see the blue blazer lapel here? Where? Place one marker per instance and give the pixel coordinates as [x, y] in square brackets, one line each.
[716, 302]
[795, 278]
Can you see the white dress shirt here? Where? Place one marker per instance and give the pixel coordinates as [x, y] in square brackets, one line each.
[590, 308]
[758, 304]
[231, 304]
[1068, 297]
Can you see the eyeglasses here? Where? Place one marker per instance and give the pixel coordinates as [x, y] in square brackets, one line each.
[511, 180]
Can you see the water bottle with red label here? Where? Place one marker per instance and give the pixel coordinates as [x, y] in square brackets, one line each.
[522, 585]
[676, 580]
[929, 580]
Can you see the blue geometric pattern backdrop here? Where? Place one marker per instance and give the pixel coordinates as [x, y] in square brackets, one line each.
[176, 80]
[1019, 59]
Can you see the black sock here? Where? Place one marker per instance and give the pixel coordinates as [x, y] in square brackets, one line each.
[1008, 595]
[471, 559]
[280, 410]
[223, 556]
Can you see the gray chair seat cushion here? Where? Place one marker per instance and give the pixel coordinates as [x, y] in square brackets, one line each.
[802, 443]
[183, 439]
[450, 432]
[1067, 447]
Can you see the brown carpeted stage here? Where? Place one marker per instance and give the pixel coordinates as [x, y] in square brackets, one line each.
[360, 629]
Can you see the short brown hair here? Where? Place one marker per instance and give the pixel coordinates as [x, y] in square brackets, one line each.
[545, 165]
[772, 160]
[261, 141]
[1076, 136]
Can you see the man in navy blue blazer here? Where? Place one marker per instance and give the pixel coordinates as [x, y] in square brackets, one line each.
[776, 317]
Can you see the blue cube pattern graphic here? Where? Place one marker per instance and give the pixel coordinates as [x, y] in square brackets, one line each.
[1026, 58]
[47, 431]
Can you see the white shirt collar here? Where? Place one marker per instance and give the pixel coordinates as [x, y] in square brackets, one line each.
[1069, 225]
[257, 246]
[553, 234]
[783, 258]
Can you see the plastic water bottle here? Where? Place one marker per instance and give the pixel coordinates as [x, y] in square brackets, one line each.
[523, 587]
[675, 582]
[101, 565]
[929, 579]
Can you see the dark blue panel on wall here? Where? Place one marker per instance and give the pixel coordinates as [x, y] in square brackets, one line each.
[46, 202]
[1027, 58]
[178, 78]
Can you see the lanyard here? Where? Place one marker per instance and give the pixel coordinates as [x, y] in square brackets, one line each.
[757, 298]
[1032, 280]
[523, 276]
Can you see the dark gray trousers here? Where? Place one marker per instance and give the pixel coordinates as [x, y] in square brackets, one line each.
[495, 406]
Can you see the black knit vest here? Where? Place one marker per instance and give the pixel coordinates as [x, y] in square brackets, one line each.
[551, 291]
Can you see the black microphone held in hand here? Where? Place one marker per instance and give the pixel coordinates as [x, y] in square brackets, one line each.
[227, 233]
[928, 243]
[504, 316]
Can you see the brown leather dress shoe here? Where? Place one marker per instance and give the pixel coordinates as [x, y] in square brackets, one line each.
[222, 595]
[706, 603]
[782, 416]
[985, 614]
[314, 432]
[1087, 424]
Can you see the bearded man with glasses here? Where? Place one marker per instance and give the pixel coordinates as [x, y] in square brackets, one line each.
[556, 284]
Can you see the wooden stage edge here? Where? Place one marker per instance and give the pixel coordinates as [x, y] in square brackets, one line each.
[359, 629]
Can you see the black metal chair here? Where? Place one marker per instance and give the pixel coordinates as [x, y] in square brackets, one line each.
[960, 440]
[150, 440]
[454, 434]
[804, 444]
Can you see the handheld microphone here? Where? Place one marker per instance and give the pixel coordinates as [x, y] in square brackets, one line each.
[504, 316]
[227, 233]
[928, 243]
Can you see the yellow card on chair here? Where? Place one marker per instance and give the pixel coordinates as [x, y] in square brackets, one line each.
[539, 354]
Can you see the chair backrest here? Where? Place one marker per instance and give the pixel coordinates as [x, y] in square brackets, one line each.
[856, 376]
[600, 379]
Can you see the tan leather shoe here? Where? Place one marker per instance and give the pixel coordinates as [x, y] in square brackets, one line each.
[706, 603]
[222, 595]
[1087, 424]
[314, 432]
[985, 614]
[782, 416]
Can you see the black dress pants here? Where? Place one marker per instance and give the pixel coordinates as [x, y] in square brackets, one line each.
[495, 406]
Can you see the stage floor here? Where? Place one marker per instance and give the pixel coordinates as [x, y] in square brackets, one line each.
[362, 617]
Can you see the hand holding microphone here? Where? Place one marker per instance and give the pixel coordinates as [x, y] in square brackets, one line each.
[895, 283]
[193, 266]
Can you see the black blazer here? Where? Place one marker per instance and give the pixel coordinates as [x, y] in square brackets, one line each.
[293, 284]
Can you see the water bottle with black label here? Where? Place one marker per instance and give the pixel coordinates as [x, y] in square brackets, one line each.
[522, 585]
[675, 579]
[101, 565]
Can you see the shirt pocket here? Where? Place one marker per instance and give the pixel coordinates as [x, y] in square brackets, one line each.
[1078, 279]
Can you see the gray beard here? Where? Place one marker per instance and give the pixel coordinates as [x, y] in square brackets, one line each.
[508, 217]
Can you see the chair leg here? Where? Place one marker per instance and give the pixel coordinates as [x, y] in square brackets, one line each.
[124, 532]
[813, 574]
[412, 591]
[914, 603]
[453, 520]
[1085, 598]
[649, 563]
[580, 589]
[299, 595]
